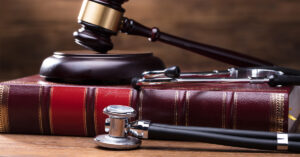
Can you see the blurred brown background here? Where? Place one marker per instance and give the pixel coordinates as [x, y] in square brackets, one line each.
[31, 30]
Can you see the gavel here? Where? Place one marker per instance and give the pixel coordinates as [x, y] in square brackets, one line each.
[100, 19]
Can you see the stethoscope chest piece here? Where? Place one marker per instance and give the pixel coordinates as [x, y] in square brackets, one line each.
[107, 141]
[118, 134]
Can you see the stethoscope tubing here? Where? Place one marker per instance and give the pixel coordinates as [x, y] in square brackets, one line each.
[157, 131]
[241, 133]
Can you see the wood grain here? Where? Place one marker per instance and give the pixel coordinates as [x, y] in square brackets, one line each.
[43, 146]
[31, 30]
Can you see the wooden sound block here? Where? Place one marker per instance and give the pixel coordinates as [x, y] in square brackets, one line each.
[89, 67]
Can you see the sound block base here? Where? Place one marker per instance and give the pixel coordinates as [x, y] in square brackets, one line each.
[89, 67]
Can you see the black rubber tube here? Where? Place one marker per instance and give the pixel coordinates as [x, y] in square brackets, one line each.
[294, 146]
[232, 132]
[284, 80]
[161, 133]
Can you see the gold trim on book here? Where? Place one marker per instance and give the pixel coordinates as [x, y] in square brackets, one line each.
[272, 126]
[235, 106]
[40, 116]
[176, 108]
[224, 109]
[277, 115]
[100, 15]
[187, 108]
[31, 83]
[4, 122]
[141, 105]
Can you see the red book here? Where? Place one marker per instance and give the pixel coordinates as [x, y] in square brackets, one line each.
[32, 105]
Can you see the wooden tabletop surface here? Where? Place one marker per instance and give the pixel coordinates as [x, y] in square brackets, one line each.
[34, 145]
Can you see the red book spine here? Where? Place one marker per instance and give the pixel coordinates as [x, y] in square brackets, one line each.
[57, 110]
[33, 106]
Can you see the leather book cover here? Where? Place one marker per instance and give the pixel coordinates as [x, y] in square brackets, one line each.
[236, 106]
[32, 105]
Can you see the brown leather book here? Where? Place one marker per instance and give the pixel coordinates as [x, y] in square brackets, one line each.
[32, 105]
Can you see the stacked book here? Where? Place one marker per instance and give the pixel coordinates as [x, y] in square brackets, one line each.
[32, 105]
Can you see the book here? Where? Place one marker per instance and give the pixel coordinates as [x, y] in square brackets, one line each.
[31, 105]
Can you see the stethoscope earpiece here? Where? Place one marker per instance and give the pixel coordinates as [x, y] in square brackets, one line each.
[275, 77]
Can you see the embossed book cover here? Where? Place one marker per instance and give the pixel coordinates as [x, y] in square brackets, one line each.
[32, 105]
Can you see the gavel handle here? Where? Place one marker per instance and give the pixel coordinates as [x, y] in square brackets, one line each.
[227, 56]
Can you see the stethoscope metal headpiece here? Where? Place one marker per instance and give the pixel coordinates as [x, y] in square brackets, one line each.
[118, 131]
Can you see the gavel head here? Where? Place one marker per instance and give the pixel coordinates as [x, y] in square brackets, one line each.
[99, 19]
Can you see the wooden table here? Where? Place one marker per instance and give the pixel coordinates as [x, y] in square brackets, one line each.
[33, 145]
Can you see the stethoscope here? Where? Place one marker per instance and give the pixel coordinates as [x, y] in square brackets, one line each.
[124, 134]
[274, 76]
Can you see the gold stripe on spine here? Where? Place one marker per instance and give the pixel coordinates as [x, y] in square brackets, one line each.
[176, 108]
[50, 112]
[141, 105]
[224, 110]
[40, 116]
[95, 111]
[273, 113]
[187, 110]
[280, 111]
[100, 15]
[235, 106]
[277, 117]
[4, 123]
[84, 113]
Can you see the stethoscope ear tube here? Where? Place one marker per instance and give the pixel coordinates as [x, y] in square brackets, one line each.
[283, 80]
[168, 133]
